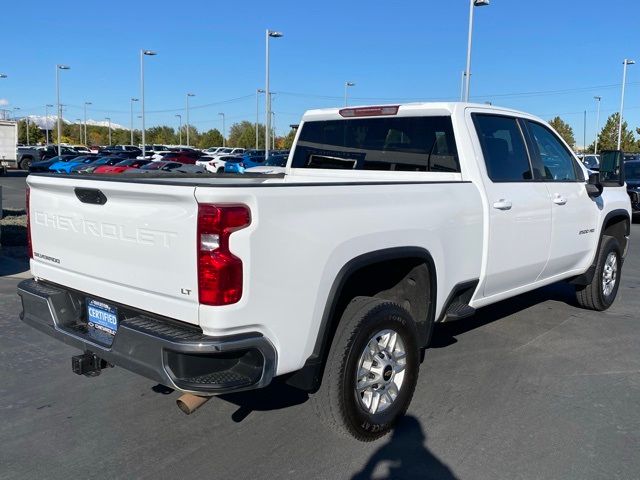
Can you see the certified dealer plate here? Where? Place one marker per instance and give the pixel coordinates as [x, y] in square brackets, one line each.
[102, 320]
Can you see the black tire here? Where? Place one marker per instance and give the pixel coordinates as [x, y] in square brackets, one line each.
[593, 295]
[337, 402]
[220, 170]
[25, 163]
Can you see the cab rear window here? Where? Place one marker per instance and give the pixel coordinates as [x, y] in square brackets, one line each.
[420, 144]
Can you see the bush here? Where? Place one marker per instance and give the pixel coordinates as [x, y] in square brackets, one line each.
[14, 228]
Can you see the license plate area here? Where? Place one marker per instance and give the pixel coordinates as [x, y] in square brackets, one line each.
[102, 321]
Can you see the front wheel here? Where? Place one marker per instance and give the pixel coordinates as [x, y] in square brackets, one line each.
[371, 371]
[601, 292]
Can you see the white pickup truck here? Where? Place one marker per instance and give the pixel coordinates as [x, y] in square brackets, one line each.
[330, 276]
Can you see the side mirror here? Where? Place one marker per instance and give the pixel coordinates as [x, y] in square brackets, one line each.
[594, 187]
[612, 168]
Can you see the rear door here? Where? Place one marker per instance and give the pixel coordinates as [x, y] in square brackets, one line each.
[136, 246]
[519, 208]
[574, 213]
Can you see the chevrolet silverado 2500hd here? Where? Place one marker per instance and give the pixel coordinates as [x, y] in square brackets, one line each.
[386, 220]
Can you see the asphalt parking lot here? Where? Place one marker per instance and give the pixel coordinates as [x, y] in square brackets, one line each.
[530, 388]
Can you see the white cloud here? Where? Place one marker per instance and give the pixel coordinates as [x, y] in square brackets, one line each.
[3, 102]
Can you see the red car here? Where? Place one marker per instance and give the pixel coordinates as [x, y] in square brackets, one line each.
[122, 166]
[182, 156]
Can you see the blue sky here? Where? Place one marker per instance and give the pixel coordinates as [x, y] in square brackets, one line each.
[393, 51]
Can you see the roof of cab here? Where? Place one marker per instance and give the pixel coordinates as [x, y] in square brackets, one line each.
[408, 109]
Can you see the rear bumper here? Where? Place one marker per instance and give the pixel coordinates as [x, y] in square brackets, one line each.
[168, 352]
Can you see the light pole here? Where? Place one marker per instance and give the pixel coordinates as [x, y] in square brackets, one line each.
[472, 3]
[224, 130]
[188, 95]
[15, 118]
[346, 89]
[180, 127]
[58, 68]
[598, 100]
[79, 120]
[131, 105]
[109, 120]
[142, 55]
[258, 92]
[273, 122]
[269, 34]
[46, 120]
[626, 63]
[85, 122]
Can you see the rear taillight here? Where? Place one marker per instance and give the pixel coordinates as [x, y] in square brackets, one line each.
[27, 202]
[219, 271]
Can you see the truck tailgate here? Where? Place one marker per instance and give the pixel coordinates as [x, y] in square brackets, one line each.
[130, 243]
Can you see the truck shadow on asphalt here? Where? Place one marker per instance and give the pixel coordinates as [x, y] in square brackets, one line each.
[445, 334]
[405, 455]
[279, 395]
[276, 396]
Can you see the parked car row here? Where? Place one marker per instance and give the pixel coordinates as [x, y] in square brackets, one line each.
[115, 159]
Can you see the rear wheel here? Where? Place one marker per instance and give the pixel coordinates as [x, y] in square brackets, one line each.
[220, 170]
[371, 371]
[601, 292]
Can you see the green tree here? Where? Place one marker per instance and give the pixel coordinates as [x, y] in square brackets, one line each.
[162, 135]
[287, 141]
[608, 137]
[210, 138]
[243, 135]
[564, 130]
[35, 134]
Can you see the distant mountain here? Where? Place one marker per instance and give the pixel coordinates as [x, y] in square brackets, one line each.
[50, 122]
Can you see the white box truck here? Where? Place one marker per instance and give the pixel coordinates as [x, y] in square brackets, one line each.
[8, 145]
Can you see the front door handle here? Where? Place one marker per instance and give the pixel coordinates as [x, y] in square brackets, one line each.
[559, 199]
[502, 204]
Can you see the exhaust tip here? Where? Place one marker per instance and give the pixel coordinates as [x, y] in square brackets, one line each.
[189, 403]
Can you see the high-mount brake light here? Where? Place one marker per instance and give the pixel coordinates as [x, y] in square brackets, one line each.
[27, 204]
[369, 111]
[219, 271]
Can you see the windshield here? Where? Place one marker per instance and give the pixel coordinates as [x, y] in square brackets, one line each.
[632, 171]
[591, 161]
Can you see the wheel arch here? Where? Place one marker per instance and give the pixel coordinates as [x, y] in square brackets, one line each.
[413, 270]
[617, 224]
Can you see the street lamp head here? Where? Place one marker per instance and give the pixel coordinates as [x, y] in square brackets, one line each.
[49, 105]
[221, 113]
[273, 34]
[191, 94]
[88, 103]
[178, 115]
[3, 75]
[149, 52]
[480, 3]
[107, 118]
[597, 98]
[64, 67]
[350, 84]
[260, 90]
[629, 62]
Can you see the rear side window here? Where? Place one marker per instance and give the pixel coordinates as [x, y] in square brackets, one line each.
[503, 148]
[420, 144]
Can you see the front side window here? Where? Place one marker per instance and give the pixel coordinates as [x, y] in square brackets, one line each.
[503, 148]
[418, 144]
[557, 161]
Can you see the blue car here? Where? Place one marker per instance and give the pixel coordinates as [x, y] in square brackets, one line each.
[233, 164]
[65, 167]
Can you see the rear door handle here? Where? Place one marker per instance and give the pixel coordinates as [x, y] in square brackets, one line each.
[559, 199]
[502, 204]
